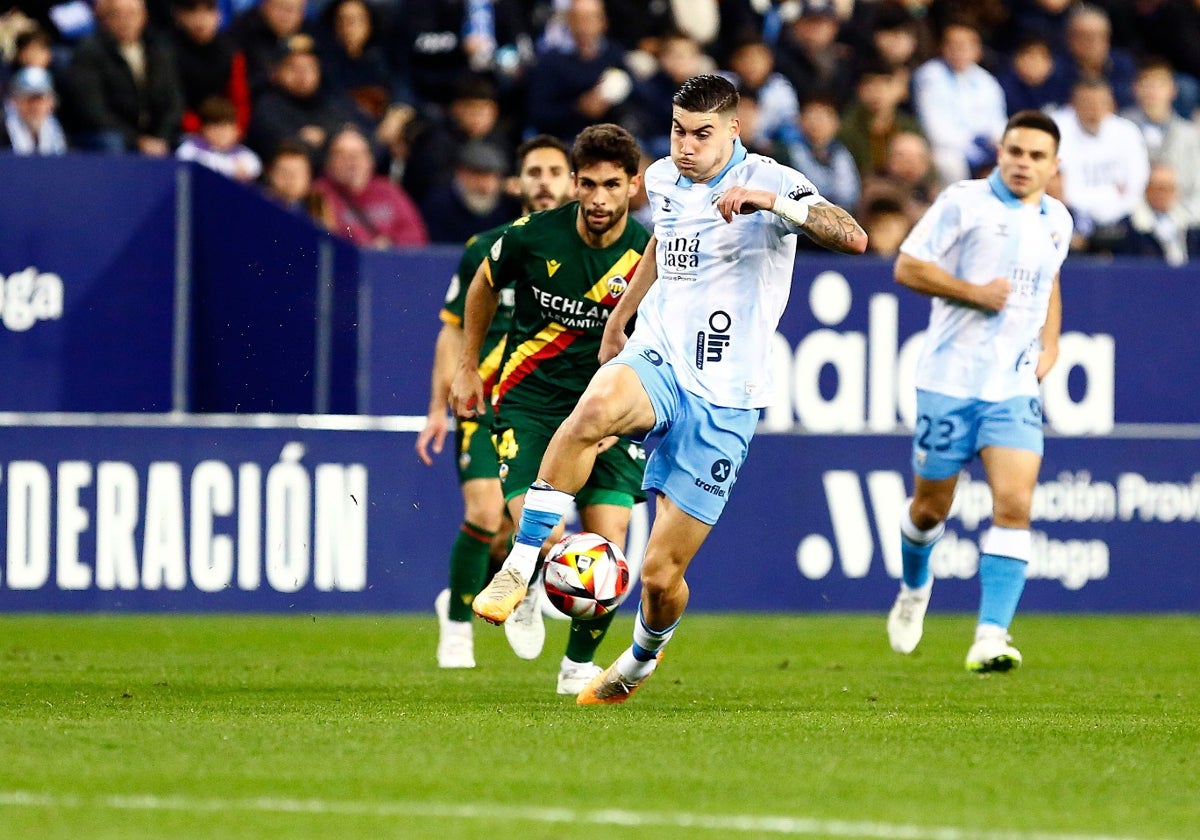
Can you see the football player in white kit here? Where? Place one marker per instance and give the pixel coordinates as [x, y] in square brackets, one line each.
[708, 294]
[988, 252]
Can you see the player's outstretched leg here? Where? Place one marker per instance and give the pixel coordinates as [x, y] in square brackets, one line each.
[456, 640]
[906, 620]
[525, 629]
[544, 507]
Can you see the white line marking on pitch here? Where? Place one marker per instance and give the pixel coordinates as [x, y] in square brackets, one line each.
[796, 826]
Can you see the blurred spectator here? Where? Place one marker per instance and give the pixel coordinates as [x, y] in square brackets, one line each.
[295, 106]
[289, 182]
[262, 34]
[368, 209]
[1169, 137]
[473, 201]
[209, 63]
[1090, 54]
[473, 113]
[641, 25]
[886, 225]
[352, 60]
[1045, 19]
[31, 48]
[894, 32]
[29, 126]
[874, 117]
[752, 71]
[1104, 164]
[960, 105]
[906, 177]
[648, 113]
[438, 41]
[573, 88]
[1160, 226]
[1171, 29]
[752, 138]
[810, 56]
[124, 92]
[217, 145]
[820, 156]
[634, 25]
[1031, 80]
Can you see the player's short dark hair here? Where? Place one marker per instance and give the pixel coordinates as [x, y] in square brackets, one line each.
[1038, 120]
[541, 141]
[707, 94]
[606, 143]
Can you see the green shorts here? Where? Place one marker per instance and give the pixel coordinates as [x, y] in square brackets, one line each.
[475, 450]
[616, 478]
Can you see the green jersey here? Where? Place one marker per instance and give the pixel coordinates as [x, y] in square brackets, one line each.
[456, 303]
[564, 294]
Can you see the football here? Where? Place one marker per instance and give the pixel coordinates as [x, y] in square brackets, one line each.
[585, 576]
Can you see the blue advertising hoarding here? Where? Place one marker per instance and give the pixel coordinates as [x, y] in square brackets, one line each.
[87, 284]
[323, 513]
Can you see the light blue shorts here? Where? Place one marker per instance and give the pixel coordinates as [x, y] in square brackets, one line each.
[951, 430]
[698, 447]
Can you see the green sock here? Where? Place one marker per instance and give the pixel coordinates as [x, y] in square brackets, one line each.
[468, 567]
[586, 636]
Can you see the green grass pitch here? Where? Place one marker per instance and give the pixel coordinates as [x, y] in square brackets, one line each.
[755, 726]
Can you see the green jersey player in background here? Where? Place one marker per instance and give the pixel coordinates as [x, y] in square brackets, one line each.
[544, 173]
[568, 268]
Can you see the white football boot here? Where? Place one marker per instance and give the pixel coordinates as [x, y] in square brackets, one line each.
[906, 621]
[524, 629]
[573, 677]
[456, 639]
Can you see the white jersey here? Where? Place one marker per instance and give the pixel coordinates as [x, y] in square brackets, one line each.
[978, 231]
[721, 287]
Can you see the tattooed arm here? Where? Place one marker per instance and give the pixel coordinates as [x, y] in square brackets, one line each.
[826, 224]
[832, 227]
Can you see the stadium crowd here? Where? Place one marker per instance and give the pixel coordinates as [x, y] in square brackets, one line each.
[394, 122]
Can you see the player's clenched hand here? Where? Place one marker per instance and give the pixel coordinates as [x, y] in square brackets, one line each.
[466, 393]
[992, 296]
[739, 200]
[432, 437]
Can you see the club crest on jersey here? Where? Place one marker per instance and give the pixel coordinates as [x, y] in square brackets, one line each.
[666, 205]
[617, 285]
[496, 246]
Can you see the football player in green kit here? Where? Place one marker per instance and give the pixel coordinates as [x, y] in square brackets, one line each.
[567, 267]
[544, 173]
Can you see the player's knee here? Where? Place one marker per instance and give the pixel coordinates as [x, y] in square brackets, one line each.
[591, 419]
[660, 579]
[1011, 509]
[487, 517]
[927, 513]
